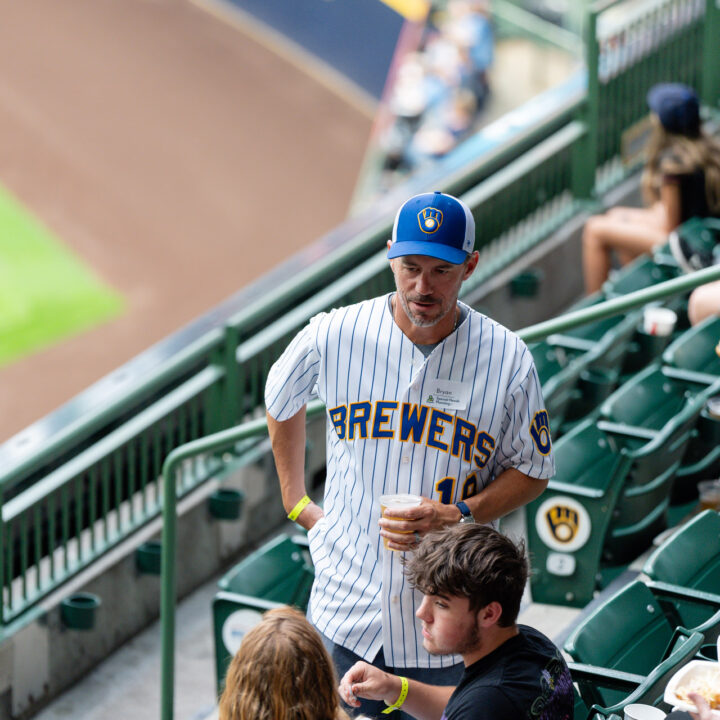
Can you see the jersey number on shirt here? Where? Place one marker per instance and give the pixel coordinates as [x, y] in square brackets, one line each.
[446, 488]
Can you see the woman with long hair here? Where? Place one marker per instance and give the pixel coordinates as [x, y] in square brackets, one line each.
[681, 180]
[281, 672]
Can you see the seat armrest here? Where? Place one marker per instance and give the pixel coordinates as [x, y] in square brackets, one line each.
[668, 590]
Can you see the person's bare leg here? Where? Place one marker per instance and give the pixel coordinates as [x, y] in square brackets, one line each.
[604, 234]
[704, 301]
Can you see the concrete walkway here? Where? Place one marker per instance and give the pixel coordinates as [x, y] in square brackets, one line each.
[126, 686]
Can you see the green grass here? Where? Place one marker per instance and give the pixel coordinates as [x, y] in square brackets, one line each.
[46, 293]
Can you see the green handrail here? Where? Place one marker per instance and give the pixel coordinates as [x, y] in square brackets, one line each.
[227, 438]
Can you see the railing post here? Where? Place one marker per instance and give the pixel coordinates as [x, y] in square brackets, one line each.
[710, 90]
[585, 150]
[167, 592]
[225, 402]
[231, 402]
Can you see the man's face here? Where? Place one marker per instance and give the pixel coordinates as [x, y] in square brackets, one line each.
[427, 287]
[448, 625]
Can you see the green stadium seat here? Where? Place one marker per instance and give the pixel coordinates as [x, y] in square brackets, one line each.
[278, 573]
[629, 632]
[606, 503]
[651, 399]
[686, 570]
[603, 345]
[559, 372]
[641, 273]
[694, 350]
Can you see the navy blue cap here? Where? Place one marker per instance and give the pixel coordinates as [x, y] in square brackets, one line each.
[677, 106]
[434, 224]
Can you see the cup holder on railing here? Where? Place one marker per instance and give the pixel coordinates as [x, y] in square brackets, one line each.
[78, 611]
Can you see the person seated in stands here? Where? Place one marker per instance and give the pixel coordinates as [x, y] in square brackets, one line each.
[281, 672]
[681, 180]
[472, 578]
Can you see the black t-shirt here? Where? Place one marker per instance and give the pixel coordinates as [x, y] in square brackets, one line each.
[526, 677]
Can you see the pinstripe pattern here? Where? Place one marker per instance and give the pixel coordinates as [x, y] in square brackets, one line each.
[357, 355]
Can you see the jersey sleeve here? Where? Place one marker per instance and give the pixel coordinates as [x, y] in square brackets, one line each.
[292, 380]
[526, 444]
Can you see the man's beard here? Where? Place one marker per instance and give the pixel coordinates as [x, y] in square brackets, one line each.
[415, 319]
[470, 643]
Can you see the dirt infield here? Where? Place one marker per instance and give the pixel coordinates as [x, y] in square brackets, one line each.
[174, 153]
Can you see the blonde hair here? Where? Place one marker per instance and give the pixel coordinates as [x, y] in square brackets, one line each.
[687, 154]
[281, 672]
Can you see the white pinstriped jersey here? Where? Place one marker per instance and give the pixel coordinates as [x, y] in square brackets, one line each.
[387, 433]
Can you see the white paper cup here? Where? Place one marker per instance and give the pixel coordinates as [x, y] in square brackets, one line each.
[636, 711]
[398, 501]
[659, 321]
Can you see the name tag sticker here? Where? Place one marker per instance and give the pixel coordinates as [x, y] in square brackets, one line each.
[446, 394]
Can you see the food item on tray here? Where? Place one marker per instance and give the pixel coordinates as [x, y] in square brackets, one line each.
[708, 686]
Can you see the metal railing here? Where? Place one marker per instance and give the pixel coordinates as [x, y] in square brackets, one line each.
[227, 439]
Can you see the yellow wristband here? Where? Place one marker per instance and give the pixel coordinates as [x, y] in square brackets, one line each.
[403, 696]
[293, 514]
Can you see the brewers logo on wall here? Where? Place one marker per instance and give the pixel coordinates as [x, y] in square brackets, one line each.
[563, 524]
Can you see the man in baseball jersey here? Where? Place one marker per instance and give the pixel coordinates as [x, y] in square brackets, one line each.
[425, 396]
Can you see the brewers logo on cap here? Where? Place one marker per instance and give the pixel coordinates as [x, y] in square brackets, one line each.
[430, 219]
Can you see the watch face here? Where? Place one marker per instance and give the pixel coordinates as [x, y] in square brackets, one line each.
[466, 519]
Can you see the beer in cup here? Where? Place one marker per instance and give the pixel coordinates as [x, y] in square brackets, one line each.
[398, 501]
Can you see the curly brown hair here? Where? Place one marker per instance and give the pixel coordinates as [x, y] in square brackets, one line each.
[281, 672]
[472, 561]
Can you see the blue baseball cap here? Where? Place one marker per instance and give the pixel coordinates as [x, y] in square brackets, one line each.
[433, 224]
[677, 106]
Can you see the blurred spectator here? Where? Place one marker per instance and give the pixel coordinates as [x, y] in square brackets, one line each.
[681, 180]
[440, 89]
[281, 672]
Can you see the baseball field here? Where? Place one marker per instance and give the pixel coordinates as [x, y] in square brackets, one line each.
[46, 292]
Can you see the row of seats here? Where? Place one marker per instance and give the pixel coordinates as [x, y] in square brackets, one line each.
[633, 437]
[629, 646]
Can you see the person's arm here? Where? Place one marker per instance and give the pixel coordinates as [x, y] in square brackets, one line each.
[425, 702]
[510, 490]
[288, 445]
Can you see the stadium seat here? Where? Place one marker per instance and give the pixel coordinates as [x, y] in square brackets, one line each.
[603, 345]
[629, 632]
[641, 273]
[607, 502]
[651, 399]
[278, 573]
[686, 570]
[559, 372]
[694, 350]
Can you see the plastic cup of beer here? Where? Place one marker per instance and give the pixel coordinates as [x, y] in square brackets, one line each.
[659, 320]
[713, 406]
[398, 501]
[709, 492]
